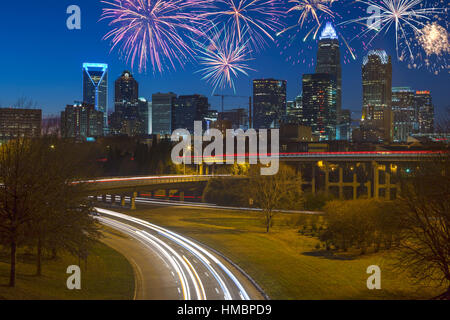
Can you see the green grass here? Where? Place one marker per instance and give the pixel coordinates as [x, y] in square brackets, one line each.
[108, 276]
[285, 263]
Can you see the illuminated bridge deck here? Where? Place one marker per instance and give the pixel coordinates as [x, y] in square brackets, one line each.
[146, 182]
[358, 156]
[363, 156]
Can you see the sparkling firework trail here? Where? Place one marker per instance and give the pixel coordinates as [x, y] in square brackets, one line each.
[434, 39]
[405, 16]
[223, 56]
[152, 29]
[259, 18]
[307, 29]
[311, 10]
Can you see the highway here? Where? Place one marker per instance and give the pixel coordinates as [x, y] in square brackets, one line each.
[199, 205]
[189, 270]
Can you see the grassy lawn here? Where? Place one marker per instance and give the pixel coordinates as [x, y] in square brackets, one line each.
[108, 276]
[285, 263]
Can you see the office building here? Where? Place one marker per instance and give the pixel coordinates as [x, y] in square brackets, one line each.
[237, 117]
[20, 123]
[294, 111]
[145, 115]
[131, 114]
[269, 103]
[126, 88]
[425, 111]
[329, 60]
[162, 112]
[95, 88]
[319, 103]
[188, 109]
[377, 119]
[405, 116]
[344, 128]
[81, 121]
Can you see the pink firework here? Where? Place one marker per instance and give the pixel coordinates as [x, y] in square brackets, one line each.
[224, 57]
[154, 30]
[260, 19]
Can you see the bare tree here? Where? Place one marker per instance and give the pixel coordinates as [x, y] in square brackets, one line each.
[425, 204]
[25, 103]
[271, 193]
[62, 220]
[40, 205]
[18, 190]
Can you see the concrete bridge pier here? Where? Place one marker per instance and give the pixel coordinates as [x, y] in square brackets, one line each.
[133, 200]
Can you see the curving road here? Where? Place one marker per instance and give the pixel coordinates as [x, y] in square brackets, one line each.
[170, 266]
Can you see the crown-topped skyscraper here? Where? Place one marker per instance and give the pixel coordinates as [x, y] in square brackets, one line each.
[329, 60]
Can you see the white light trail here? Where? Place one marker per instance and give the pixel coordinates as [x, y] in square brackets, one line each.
[190, 246]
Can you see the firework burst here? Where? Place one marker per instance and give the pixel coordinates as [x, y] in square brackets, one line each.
[152, 30]
[311, 8]
[405, 17]
[433, 38]
[253, 20]
[311, 11]
[223, 57]
[431, 48]
[304, 35]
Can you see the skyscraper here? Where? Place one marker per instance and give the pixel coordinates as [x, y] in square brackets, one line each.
[145, 115]
[126, 89]
[425, 110]
[294, 111]
[187, 109]
[269, 103]
[329, 60]
[344, 128]
[319, 104]
[162, 109]
[95, 88]
[130, 115]
[404, 113]
[377, 124]
[81, 121]
[237, 117]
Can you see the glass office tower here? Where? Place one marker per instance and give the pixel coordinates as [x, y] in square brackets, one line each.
[95, 88]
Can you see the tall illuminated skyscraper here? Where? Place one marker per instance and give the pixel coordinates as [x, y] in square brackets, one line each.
[95, 88]
[425, 110]
[329, 60]
[404, 113]
[377, 118]
[319, 104]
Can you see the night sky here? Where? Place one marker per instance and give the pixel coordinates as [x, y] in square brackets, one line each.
[41, 59]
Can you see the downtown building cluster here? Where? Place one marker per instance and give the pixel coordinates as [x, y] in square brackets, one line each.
[389, 114]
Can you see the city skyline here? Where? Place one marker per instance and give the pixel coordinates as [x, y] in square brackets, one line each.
[31, 77]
